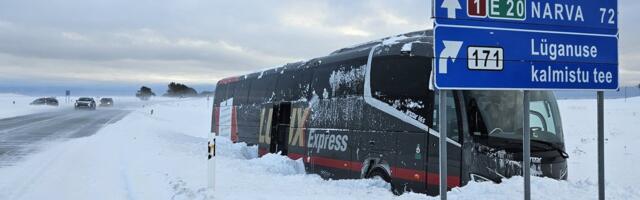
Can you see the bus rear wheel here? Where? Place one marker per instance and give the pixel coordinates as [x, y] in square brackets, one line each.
[382, 175]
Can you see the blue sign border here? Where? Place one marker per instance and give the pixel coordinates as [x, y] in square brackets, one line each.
[513, 77]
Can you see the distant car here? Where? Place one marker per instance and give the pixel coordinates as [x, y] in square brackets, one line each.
[106, 102]
[85, 103]
[49, 101]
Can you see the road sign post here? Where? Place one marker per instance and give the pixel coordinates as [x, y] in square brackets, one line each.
[526, 146]
[443, 143]
[600, 100]
[527, 45]
[67, 95]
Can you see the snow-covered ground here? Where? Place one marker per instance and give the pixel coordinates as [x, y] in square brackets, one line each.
[163, 156]
[21, 106]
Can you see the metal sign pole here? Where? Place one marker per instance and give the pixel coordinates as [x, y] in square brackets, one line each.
[600, 95]
[443, 144]
[526, 146]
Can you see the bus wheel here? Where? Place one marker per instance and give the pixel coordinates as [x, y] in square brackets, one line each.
[381, 175]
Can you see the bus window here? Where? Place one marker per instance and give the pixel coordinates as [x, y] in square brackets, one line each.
[339, 79]
[262, 89]
[231, 89]
[453, 132]
[293, 85]
[402, 82]
[242, 91]
[496, 116]
[541, 116]
[221, 90]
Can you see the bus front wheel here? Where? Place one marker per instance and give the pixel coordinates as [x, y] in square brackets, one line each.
[382, 175]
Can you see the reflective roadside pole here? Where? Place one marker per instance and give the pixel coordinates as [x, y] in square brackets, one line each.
[211, 172]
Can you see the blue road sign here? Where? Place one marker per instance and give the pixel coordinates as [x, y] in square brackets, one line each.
[592, 14]
[526, 44]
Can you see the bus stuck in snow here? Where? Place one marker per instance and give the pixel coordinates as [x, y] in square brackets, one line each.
[371, 111]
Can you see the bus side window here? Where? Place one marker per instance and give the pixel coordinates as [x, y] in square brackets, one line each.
[241, 95]
[262, 89]
[453, 132]
[293, 84]
[221, 91]
[231, 89]
[402, 83]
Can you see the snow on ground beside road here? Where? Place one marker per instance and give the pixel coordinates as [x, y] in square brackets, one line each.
[622, 152]
[163, 156]
[143, 156]
[21, 106]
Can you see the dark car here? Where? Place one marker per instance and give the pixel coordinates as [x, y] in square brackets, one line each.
[86, 103]
[49, 101]
[106, 102]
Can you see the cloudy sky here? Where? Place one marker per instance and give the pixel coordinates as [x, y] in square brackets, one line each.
[202, 41]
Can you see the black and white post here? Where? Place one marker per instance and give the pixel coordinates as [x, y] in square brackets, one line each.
[211, 172]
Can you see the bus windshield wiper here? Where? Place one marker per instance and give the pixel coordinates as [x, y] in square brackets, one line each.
[551, 146]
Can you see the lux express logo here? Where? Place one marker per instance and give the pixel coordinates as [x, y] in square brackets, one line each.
[333, 142]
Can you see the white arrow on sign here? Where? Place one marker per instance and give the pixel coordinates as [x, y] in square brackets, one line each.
[450, 51]
[451, 6]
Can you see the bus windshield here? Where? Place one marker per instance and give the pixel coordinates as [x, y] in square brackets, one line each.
[498, 115]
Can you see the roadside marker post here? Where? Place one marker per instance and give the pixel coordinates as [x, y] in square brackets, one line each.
[211, 178]
[526, 45]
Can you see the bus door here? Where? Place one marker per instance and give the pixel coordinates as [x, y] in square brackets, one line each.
[280, 128]
[454, 150]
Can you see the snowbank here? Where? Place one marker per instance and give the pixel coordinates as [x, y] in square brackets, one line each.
[163, 156]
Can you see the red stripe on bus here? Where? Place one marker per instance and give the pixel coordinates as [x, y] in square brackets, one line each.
[452, 181]
[295, 156]
[417, 175]
[396, 172]
[262, 151]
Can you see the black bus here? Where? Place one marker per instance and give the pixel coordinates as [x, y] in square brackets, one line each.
[371, 110]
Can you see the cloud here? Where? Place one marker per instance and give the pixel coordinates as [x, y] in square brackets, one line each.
[202, 41]
[74, 36]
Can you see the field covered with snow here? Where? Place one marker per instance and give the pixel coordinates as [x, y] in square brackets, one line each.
[163, 156]
[15, 105]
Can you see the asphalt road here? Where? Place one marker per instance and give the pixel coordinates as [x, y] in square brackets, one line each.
[23, 135]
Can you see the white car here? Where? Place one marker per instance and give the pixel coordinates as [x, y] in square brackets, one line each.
[85, 103]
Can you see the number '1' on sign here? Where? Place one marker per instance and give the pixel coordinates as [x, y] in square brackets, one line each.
[477, 8]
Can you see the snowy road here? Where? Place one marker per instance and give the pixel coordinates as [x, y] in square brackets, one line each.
[20, 136]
